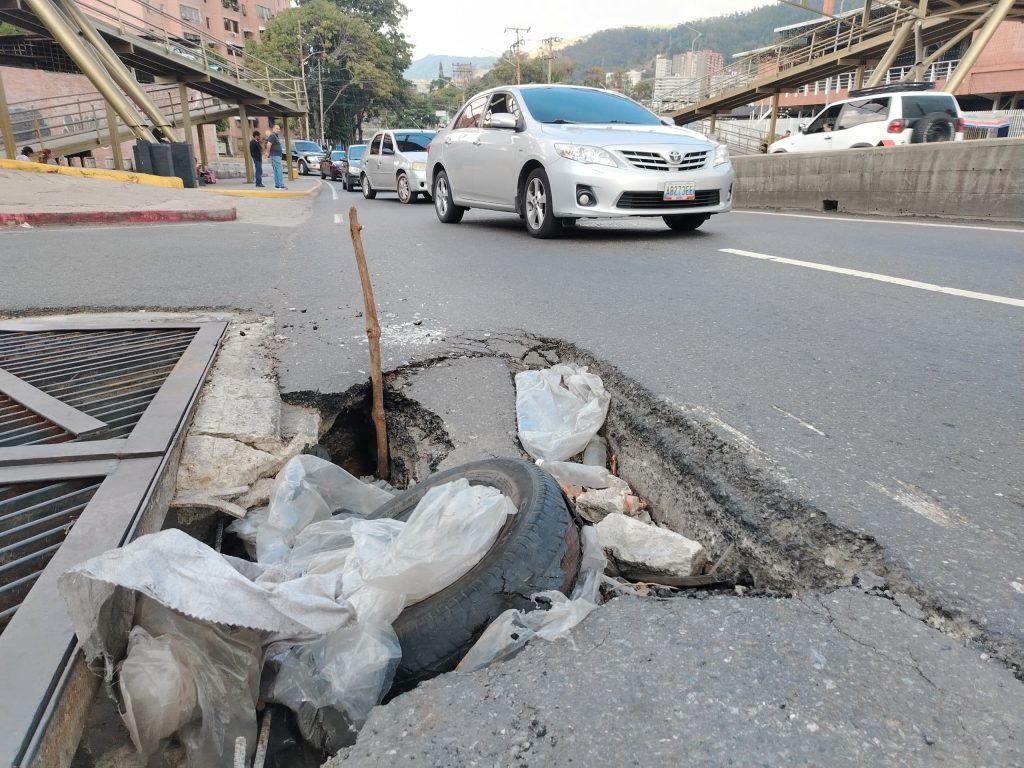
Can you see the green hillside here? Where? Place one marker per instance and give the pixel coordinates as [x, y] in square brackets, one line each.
[636, 47]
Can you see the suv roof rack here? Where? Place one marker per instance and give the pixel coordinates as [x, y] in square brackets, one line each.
[893, 88]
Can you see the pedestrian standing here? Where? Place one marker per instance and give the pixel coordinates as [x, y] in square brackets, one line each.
[256, 153]
[276, 153]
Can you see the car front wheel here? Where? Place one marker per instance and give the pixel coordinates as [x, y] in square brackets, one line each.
[405, 193]
[368, 192]
[540, 217]
[303, 168]
[344, 181]
[324, 175]
[447, 211]
[684, 222]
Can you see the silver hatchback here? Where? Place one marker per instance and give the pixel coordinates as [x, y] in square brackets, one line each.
[558, 153]
[396, 161]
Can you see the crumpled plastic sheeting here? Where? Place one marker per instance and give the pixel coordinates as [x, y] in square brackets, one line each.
[196, 679]
[306, 490]
[559, 410]
[582, 475]
[508, 633]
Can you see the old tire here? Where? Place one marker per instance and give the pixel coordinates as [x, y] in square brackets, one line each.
[935, 126]
[540, 216]
[447, 211]
[537, 549]
[368, 192]
[684, 222]
[405, 193]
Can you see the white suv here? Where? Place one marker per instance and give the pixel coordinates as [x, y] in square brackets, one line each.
[877, 117]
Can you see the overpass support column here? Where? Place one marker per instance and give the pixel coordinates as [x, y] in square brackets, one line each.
[115, 137]
[996, 17]
[775, 117]
[287, 148]
[186, 114]
[6, 129]
[243, 119]
[895, 48]
[201, 136]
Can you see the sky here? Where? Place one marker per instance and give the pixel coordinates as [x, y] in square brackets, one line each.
[464, 28]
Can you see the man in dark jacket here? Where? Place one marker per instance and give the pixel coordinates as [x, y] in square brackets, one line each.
[256, 153]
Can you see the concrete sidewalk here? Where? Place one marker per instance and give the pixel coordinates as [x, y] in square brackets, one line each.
[47, 200]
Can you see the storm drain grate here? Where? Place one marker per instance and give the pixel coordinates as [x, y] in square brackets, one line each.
[90, 419]
[35, 518]
[111, 376]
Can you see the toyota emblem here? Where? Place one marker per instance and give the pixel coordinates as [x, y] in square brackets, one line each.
[674, 157]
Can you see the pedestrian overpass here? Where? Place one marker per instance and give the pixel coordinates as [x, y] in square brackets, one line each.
[135, 66]
[867, 41]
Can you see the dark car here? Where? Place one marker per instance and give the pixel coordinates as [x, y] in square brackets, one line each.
[306, 155]
[351, 167]
[331, 166]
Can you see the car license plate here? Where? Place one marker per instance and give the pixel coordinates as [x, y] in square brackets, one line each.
[682, 190]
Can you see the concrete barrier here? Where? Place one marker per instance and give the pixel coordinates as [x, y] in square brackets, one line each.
[102, 174]
[967, 180]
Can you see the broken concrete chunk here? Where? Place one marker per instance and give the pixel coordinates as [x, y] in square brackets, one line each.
[595, 505]
[209, 463]
[630, 544]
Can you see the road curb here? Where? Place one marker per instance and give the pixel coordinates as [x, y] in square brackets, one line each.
[100, 174]
[266, 193]
[72, 218]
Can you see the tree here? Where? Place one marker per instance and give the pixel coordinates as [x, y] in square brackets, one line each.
[355, 71]
[594, 77]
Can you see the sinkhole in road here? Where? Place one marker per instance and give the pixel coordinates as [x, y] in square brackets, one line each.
[697, 479]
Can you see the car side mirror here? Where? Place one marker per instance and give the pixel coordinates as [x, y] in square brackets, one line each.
[503, 121]
[668, 121]
[802, 128]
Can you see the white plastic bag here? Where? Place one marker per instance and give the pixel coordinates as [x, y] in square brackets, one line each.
[508, 633]
[451, 529]
[306, 490]
[559, 409]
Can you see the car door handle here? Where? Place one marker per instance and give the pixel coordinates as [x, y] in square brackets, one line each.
[447, 139]
[477, 143]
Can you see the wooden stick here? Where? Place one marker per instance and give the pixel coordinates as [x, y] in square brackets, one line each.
[373, 336]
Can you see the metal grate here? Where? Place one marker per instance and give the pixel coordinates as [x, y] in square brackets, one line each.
[111, 375]
[20, 426]
[34, 521]
[655, 200]
[656, 161]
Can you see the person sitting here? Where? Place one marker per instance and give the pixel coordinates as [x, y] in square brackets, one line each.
[46, 157]
[26, 155]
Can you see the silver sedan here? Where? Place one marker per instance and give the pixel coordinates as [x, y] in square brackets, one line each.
[558, 153]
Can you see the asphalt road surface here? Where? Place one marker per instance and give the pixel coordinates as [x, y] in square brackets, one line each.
[879, 363]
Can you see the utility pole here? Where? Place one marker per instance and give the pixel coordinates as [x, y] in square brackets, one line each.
[461, 75]
[320, 88]
[549, 43]
[517, 47]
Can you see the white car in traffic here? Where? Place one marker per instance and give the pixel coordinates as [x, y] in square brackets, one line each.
[558, 153]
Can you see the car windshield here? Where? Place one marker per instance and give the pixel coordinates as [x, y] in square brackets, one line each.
[307, 146]
[338, 154]
[575, 105]
[413, 142]
[354, 153]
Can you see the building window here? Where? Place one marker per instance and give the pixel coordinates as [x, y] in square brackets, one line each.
[230, 25]
[188, 13]
[263, 12]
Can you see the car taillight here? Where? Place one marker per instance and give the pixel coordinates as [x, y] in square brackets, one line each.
[959, 125]
[428, 146]
[897, 126]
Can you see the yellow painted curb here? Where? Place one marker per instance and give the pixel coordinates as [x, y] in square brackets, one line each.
[266, 193]
[102, 174]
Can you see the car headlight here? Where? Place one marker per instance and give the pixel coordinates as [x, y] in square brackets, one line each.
[584, 154]
[419, 166]
[721, 154]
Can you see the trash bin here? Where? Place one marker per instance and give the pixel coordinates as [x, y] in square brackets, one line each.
[184, 163]
[143, 157]
[163, 165]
